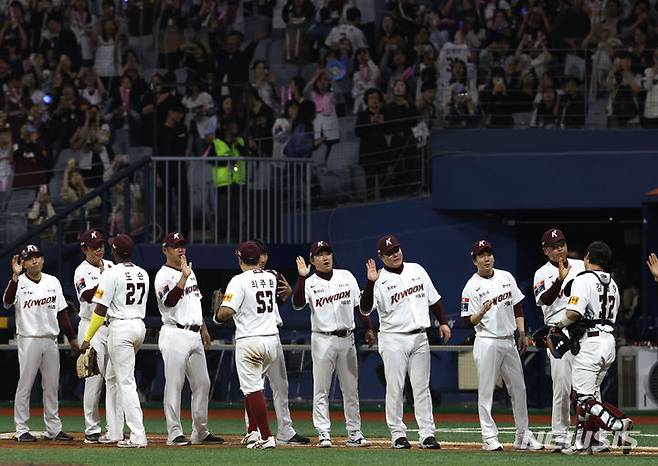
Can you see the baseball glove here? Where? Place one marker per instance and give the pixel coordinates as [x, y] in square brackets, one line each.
[217, 298]
[87, 364]
[539, 337]
[557, 342]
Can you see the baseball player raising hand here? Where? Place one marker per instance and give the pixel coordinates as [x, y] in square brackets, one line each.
[41, 311]
[401, 292]
[182, 341]
[491, 302]
[332, 296]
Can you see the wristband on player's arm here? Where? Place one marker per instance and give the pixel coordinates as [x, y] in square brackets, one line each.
[10, 292]
[439, 312]
[367, 298]
[94, 325]
[65, 324]
[298, 298]
[552, 293]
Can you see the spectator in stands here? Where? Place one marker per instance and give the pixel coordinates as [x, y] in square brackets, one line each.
[117, 218]
[298, 39]
[326, 120]
[260, 119]
[603, 45]
[650, 83]
[547, 111]
[91, 87]
[282, 128]
[497, 101]
[65, 118]
[6, 159]
[107, 56]
[374, 154]
[366, 76]
[400, 116]
[141, 19]
[42, 210]
[233, 63]
[130, 63]
[124, 117]
[535, 25]
[495, 55]
[57, 41]
[198, 62]
[469, 31]
[227, 110]
[14, 31]
[390, 39]
[296, 88]
[90, 143]
[200, 119]
[30, 92]
[572, 104]
[172, 34]
[572, 25]
[623, 86]
[459, 75]
[32, 161]
[524, 94]
[640, 16]
[406, 13]
[302, 143]
[642, 54]
[150, 102]
[350, 30]
[462, 110]
[82, 23]
[74, 188]
[264, 83]
[532, 56]
[426, 104]
[611, 18]
[398, 69]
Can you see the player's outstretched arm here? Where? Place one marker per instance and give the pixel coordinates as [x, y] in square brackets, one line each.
[368, 296]
[223, 314]
[9, 295]
[652, 263]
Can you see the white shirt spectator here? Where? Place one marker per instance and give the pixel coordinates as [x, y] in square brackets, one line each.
[354, 34]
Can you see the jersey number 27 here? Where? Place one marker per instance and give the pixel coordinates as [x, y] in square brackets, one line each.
[130, 292]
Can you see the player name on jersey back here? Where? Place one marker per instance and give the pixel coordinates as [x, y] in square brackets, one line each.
[403, 299]
[37, 305]
[86, 277]
[123, 289]
[188, 309]
[252, 296]
[332, 301]
[501, 289]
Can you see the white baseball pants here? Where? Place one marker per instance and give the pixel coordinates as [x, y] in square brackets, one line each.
[184, 356]
[94, 388]
[332, 353]
[277, 377]
[37, 354]
[124, 340]
[561, 413]
[591, 364]
[402, 354]
[494, 356]
[253, 357]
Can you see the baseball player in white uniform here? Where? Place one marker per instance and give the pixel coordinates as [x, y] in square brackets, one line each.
[402, 292]
[182, 342]
[333, 298]
[121, 295]
[41, 311]
[592, 311]
[85, 280]
[491, 302]
[548, 287]
[276, 374]
[250, 299]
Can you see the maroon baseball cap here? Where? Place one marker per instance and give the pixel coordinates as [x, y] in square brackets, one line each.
[319, 246]
[122, 244]
[174, 240]
[387, 244]
[249, 252]
[552, 236]
[29, 251]
[480, 246]
[91, 239]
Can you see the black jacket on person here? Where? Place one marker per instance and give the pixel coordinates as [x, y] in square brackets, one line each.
[373, 145]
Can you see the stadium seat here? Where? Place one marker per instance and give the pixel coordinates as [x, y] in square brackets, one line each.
[284, 73]
[346, 125]
[262, 50]
[276, 52]
[253, 24]
[148, 74]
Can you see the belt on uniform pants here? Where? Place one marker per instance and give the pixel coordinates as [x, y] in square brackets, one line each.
[193, 328]
[414, 332]
[337, 333]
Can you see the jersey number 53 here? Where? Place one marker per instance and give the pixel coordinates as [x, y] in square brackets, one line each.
[265, 301]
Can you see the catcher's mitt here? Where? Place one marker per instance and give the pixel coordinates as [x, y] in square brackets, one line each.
[539, 337]
[557, 342]
[87, 364]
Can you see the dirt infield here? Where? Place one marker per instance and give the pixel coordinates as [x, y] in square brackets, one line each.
[233, 442]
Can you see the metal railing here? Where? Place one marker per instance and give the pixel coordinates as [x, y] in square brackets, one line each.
[272, 201]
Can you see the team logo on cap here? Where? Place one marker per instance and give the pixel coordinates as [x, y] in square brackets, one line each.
[554, 234]
[176, 235]
[93, 235]
[481, 243]
[388, 242]
[320, 244]
[31, 248]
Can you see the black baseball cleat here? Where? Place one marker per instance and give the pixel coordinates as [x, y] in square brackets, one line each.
[210, 440]
[92, 438]
[26, 437]
[401, 443]
[179, 441]
[430, 443]
[62, 437]
[294, 440]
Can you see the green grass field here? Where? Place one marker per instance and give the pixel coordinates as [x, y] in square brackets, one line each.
[466, 433]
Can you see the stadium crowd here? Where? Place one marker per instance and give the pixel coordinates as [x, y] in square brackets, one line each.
[91, 80]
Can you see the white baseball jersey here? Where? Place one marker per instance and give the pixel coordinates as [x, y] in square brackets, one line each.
[587, 296]
[37, 305]
[279, 320]
[188, 309]
[502, 290]
[86, 277]
[123, 289]
[403, 299]
[332, 301]
[252, 295]
[545, 277]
